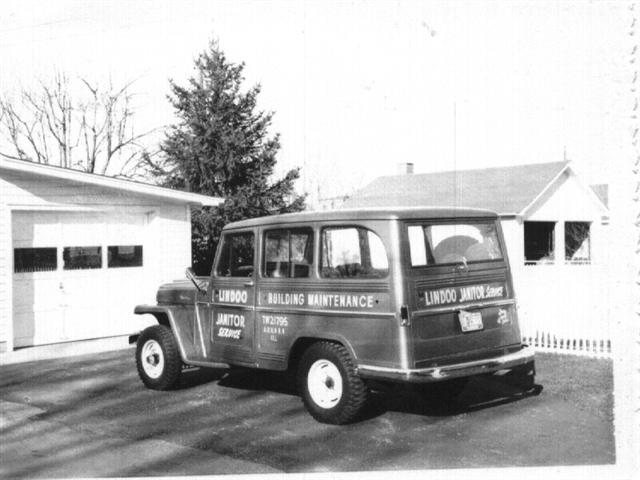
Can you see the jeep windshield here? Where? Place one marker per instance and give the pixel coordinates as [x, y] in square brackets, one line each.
[450, 243]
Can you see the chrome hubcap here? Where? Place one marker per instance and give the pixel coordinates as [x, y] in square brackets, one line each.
[324, 383]
[152, 359]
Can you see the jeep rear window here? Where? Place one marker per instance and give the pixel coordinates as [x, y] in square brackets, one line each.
[353, 252]
[236, 255]
[434, 244]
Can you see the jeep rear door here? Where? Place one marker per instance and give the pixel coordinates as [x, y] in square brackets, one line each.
[460, 292]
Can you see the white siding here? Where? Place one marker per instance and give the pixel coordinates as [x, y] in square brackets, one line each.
[176, 241]
[512, 231]
[6, 262]
[565, 302]
[164, 225]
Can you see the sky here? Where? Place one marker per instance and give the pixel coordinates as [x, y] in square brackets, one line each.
[358, 87]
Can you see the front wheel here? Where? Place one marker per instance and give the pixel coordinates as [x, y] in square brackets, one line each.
[331, 390]
[157, 358]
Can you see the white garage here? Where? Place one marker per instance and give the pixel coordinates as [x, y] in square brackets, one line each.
[79, 251]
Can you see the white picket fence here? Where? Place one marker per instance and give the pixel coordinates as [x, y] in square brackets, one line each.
[548, 342]
[565, 308]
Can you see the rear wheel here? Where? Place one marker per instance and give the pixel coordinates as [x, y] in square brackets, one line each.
[157, 358]
[331, 390]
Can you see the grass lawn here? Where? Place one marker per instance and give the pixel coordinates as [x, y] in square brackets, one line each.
[585, 382]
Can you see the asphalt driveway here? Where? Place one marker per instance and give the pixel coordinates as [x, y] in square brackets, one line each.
[91, 416]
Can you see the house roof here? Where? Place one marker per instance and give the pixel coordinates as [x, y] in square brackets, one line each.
[506, 190]
[602, 191]
[42, 170]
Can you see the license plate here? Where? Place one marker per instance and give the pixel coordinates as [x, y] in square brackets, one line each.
[470, 321]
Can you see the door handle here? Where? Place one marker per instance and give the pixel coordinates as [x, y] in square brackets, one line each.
[250, 283]
[462, 267]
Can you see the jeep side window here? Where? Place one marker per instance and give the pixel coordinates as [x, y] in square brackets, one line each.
[236, 255]
[353, 252]
[288, 253]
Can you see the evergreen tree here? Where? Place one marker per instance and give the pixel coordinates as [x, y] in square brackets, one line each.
[221, 147]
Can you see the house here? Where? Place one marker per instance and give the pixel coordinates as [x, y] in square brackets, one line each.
[78, 251]
[555, 228]
[547, 213]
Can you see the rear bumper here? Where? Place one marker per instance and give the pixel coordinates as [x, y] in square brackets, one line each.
[445, 372]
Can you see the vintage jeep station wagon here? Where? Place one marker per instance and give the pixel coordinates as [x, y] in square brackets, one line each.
[348, 300]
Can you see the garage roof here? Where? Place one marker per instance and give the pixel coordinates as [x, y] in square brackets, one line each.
[51, 171]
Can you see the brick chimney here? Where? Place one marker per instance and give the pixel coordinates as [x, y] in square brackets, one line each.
[405, 168]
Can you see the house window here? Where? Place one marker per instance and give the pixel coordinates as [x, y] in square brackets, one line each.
[353, 252]
[577, 242]
[82, 258]
[29, 260]
[539, 242]
[288, 253]
[124, 256]
[236, 255]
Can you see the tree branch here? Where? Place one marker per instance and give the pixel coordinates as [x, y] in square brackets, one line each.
[90, 129]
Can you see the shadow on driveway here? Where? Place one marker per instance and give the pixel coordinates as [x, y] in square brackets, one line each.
[66, 416]
[479, 393]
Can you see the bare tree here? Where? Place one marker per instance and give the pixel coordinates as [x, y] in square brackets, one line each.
[91, 132]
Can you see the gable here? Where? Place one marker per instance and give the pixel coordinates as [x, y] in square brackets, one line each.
[565, 199]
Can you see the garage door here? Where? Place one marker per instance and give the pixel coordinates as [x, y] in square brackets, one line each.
[75, 274]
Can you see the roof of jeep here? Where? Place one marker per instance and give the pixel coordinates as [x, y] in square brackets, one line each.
[363, 214]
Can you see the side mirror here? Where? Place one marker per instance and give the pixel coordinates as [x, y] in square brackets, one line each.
[191, 275]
